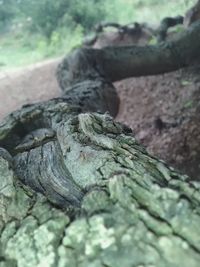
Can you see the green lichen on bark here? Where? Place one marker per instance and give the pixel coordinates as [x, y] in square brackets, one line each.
[136, 211]
[76, 189]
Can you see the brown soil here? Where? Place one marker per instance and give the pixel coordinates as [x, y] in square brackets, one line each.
[163, 110]
[27, 85]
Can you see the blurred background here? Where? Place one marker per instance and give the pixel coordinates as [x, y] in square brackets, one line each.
[34, 30]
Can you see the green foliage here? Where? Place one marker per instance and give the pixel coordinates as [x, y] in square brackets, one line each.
[150, 11]
[48, 15]
[61, 41]
[8, 10]
[87, 13]
[36, 29]
[45, 15]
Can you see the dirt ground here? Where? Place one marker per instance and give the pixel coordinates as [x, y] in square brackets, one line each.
[27, 85]
[162, 110]
[164, 113]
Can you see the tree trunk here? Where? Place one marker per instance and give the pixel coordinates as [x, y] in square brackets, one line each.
[78, 190]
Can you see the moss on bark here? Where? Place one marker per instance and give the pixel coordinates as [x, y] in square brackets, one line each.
[76, 189]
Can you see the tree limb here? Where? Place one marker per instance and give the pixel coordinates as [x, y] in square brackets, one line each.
[117, 63]
[104, 201]
[165, 24]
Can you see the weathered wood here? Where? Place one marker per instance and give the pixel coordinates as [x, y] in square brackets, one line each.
[133, 205]
[76, 189]
[116, 63]
[165, 24]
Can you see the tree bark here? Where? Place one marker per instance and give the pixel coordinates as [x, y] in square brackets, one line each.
[117, 63]
[77, 189]
[165, 24]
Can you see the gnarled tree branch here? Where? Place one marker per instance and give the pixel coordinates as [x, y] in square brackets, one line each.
[104, 201]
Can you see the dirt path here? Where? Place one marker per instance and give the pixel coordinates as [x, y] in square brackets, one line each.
[34, 83]
[162, 110]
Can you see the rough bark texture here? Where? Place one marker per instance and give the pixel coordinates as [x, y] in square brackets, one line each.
[76, 188]
[165, 24]
[117, 63]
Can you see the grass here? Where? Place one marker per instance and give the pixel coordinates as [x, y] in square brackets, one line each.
[18, 51]
[23, 48]
[12, 57]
